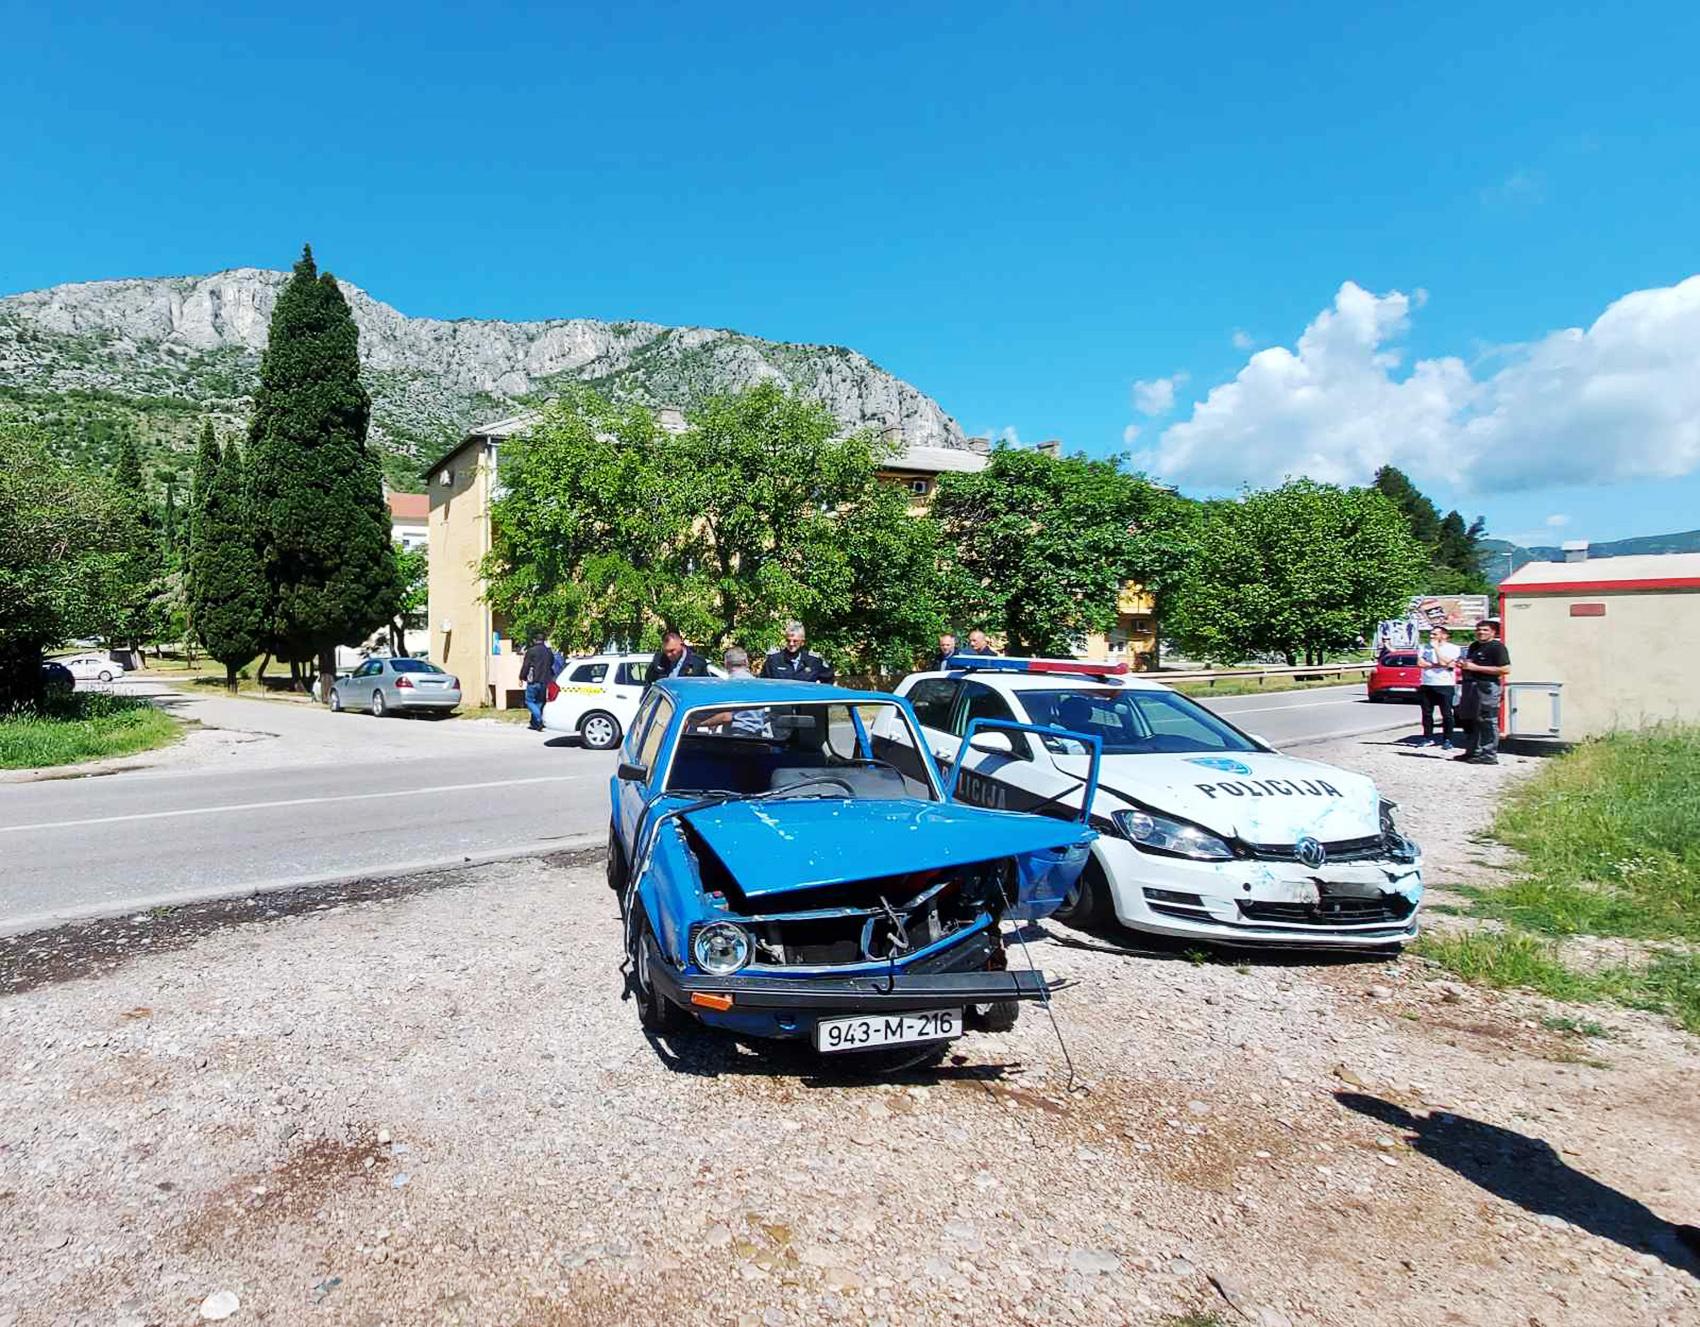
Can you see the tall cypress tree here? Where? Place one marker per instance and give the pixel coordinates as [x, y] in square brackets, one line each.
[227, 592]
[318, 493]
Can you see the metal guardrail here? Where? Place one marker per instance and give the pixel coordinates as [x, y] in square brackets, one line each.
[1299, 673]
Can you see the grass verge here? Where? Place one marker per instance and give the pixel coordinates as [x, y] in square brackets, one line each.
[1250, 687]
[1609, 840]
[83, 726]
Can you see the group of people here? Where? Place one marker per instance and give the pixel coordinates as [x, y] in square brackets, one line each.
[1464, 687]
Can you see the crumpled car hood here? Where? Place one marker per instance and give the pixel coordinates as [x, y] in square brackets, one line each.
[1258, 795]
[791, 843]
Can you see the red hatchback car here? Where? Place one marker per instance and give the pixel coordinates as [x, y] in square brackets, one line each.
[1396, 676]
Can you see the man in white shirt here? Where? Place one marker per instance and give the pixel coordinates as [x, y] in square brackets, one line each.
[1439, 659]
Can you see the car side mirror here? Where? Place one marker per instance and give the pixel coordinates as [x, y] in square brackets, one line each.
[630, 773]
[993, 744]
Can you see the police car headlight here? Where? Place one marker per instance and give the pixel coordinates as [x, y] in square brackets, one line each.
[720, 948]
[1395, 844]
[1156, 833]
[1387, 810]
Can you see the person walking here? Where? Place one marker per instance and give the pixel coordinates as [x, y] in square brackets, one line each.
[947, 648]
[674, 659]
[536, 671]
[1484, 665]
[794, 663]
[1435, 685]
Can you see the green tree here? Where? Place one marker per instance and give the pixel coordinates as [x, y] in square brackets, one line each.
[414, 567]
[67, 539]
[610, 529]
[1039, 547]
[1420, 514]
[227, 590]
[318, 500]
[1454, 548]
[1297, 570]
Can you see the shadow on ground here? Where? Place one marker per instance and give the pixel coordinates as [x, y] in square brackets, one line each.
[1528, 1172]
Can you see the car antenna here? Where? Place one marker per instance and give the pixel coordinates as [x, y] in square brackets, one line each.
[1044, 994]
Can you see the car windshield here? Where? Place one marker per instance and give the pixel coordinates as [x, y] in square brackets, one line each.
[414, 666]
[1398, 661]
[1131, 722]
[807, 750]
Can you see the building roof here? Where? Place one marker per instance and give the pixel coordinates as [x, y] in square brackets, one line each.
[409, 506]
[1649, 571]
[921, 460]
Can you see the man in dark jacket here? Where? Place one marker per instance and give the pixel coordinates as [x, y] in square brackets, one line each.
[536, 670]
[674, 659]
[947, 651]
[1484, 666]
[793, 663]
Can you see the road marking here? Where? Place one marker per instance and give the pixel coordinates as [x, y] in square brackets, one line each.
[293, 801]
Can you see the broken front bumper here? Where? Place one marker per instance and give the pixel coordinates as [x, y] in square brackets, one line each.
[781, 1006]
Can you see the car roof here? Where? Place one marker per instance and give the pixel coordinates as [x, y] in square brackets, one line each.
[1045, 681]
[691, 691]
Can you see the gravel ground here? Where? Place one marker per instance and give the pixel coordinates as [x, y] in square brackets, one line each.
[432, 1105]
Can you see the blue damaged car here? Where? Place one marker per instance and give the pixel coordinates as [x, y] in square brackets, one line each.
[779, 879]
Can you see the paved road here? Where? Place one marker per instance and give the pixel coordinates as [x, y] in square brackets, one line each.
[268, 793]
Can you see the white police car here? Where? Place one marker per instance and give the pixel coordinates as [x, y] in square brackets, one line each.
[1204, 831]
[598, 697]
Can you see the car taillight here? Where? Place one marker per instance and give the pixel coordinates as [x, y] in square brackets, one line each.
[404, 682]
[455, 683]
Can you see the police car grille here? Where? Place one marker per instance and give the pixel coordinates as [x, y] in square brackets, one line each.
[1330, 910]
[1365, 849]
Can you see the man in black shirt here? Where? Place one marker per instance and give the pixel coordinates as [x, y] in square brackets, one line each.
[674, 659]
[947, 651]
[794, 663]
[1484, 666]
[536, 670]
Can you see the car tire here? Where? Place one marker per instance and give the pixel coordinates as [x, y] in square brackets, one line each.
[336, 701]
[1088, 904]
[379, 708]
[105, 676]
[599, 731]
[617, 872]
[998, 1016]
[656, 1012]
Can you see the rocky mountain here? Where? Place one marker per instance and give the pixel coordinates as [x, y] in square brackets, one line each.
[157, 355]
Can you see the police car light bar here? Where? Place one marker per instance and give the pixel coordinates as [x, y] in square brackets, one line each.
[975, 663]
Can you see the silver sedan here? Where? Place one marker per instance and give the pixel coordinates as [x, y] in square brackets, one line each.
[389, 686]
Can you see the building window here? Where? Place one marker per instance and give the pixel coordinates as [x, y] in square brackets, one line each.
[919, 487]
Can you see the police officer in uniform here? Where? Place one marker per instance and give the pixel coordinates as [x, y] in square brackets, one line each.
[793, 663]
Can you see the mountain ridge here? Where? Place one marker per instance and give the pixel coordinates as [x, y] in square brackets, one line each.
[153, 355]
[1499, 550]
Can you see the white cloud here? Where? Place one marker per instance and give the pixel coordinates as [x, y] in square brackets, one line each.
[1129, 434]
[1243, 340]
[1521, 188]
[1616, 401]
[1156, 396]
[1557, 521]
[1007, 435]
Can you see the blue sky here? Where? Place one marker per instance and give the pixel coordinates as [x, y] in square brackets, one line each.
[1025, 210]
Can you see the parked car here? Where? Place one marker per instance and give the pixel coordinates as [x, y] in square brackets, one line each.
[91, 667]
[779, 879]
[388, 686]
[1396, 676]
[597, 697]
[1205, 832]
[56, 679]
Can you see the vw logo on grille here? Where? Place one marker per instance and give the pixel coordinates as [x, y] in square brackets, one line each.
[1310, 853]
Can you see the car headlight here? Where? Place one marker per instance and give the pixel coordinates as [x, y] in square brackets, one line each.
[1396, 845]
[720, 948]
[1157, 833]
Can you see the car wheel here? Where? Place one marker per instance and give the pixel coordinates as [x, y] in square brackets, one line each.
[616, 862]
[656, 1012]
[1088, 904]
[379, 709]
[599, 730]
[336, 701]
[998, 1016]
[105, 676]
